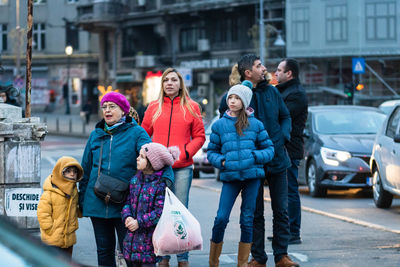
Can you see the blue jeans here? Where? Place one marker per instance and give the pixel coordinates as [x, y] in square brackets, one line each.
[104, 232]
[182, 184]
[294, 206]
[278, 188]
[229, 193]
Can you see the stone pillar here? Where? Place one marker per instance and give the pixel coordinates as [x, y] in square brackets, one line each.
[20, 165]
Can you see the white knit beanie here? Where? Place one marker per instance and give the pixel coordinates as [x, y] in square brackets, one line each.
[243, 91]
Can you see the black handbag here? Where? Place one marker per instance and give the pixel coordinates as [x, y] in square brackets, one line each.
[108, 188]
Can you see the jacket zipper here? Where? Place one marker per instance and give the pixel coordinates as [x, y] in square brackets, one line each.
[109, 156]
[238, 144]
[109, 166]
[170, 120]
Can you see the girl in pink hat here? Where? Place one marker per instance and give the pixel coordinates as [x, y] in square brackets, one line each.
[145, 203]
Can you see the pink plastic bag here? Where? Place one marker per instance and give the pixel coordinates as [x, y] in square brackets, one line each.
[177, 230]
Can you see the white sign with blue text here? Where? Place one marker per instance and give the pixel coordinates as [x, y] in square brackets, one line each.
[22, 201]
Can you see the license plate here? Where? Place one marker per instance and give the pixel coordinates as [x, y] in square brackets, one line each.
[369, 181]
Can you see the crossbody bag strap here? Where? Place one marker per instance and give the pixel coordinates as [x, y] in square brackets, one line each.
[101, 155]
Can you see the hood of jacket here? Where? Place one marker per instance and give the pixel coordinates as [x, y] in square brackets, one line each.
[58, 179]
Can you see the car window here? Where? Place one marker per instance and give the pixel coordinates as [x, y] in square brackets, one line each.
[348, 122]
[393, 123]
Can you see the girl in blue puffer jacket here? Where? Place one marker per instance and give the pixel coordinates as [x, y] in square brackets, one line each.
[239, 146]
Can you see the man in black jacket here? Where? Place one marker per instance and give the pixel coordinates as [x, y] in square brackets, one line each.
[295, 99]
[270, 109]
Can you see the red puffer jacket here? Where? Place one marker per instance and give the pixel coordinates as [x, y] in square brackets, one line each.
[174, 127]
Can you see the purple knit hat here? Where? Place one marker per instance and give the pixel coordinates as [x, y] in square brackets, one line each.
[160, 156]
[118, 99]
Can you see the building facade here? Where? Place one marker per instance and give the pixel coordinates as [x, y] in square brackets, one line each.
[203, 39]
[326, 35]
[54, 28]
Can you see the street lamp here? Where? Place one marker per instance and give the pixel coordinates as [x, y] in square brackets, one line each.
[279, 40]
[68, 51]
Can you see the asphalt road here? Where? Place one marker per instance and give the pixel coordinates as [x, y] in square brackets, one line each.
[344, 229]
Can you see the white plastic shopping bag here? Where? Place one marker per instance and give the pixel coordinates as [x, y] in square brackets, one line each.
[177, 230]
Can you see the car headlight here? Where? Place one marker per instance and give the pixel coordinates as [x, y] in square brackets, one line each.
[333, 157]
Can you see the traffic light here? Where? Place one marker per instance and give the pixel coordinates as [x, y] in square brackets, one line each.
[349, 92]
[360, 86]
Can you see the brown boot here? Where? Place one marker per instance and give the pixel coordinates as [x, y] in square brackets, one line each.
[215, 252]
[183, 264]
[254, 263]
[286, 261]
[163, 263]
[243, 254]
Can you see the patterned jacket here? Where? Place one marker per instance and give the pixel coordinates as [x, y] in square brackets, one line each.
[145, 204]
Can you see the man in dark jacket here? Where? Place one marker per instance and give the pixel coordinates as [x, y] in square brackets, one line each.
[295, 99]
[272, 112]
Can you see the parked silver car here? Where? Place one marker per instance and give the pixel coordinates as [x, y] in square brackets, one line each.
[389, 105]
[385, 161]
[200, 160]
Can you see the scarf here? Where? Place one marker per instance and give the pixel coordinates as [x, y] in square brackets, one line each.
[111, 129]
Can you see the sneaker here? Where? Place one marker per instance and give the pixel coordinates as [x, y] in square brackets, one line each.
[286, 261]
[254, 263]
[295, 240]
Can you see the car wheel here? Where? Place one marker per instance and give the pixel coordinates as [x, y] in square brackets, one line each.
[382, 198]
[313, 182]
[196, 174]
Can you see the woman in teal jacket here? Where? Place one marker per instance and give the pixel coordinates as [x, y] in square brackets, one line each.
[122, 140]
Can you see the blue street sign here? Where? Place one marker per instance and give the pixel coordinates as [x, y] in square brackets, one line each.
[358, 65]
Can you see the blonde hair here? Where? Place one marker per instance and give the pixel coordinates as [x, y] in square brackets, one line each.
[268, 76]
[234, 77]
[183, 94]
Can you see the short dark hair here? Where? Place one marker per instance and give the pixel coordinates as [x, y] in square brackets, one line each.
[246, 62]
[293, 66]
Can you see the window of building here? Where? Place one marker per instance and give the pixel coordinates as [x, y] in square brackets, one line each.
[128, 41]
[300, 25]
[72, 1]
[39, 36]
[72, 35]
[336, 23]
[226, 31]
[188, 38]
[3, 35]
[39, 2]
[381, 20]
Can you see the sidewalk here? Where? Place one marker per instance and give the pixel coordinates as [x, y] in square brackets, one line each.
[70, 125]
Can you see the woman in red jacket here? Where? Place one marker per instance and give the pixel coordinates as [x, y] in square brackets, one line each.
[175, 120]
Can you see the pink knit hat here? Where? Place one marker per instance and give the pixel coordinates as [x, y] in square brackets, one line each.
[118, 99]
[160, 156]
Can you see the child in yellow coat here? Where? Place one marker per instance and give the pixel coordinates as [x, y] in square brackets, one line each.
[58, 209]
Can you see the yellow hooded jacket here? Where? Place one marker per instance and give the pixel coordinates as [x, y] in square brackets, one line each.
[58, 206]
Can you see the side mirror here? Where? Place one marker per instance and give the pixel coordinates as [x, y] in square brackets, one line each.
[396, 138]
[306, 133]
